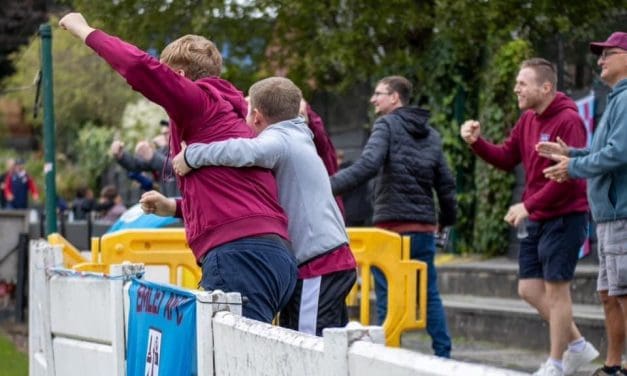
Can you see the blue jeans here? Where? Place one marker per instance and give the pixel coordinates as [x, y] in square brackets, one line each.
[262, 269]
[422, 249]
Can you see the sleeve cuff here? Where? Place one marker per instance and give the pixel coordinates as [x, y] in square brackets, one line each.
[571, 168]
[178, 213]
[187, 161]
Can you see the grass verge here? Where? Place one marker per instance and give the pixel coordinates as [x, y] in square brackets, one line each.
[14, 363]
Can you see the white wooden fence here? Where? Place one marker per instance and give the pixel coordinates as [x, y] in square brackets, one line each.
[78, 327]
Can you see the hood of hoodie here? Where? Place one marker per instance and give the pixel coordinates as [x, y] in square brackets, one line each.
[415, 120]
[618, 88]
[297, 124]
[229, 93]
[560, 103]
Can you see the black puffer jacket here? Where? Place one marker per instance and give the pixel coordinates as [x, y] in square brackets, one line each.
[406, 155]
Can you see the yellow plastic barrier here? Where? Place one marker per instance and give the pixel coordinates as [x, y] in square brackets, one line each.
[71, 255]
[390, 252]
[371, 247]
[152, 247]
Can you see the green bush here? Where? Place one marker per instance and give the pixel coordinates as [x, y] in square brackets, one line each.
[498, 114]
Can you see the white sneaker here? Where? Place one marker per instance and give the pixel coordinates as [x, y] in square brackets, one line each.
[573, 360]
[548, 369]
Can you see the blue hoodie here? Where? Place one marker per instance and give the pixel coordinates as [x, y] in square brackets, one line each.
[605, 164]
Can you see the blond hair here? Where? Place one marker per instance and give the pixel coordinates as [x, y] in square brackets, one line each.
[197, 56]
[277, 98]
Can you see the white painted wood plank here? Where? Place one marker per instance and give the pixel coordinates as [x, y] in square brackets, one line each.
[369, 359]
[78, 358]
[246, 347]
[81, 308]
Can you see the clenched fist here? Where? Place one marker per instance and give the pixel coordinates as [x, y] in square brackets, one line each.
[470, 131]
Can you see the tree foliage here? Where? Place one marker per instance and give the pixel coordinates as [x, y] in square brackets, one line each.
[86, 89]
[463, 55]
[239, 29]
[19, 20]
[498, 112]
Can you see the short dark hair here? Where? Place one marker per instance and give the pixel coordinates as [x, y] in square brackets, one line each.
[399, 85]
[545, 70]
[277, 98]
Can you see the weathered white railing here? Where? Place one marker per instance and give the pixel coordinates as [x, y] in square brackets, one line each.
[78, 327]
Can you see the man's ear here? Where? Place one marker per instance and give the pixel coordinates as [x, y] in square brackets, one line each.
[259, 121]
[395, 97]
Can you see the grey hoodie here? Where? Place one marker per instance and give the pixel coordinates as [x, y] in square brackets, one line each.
[315, 224]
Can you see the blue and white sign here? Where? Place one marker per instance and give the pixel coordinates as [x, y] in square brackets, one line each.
[161, 330]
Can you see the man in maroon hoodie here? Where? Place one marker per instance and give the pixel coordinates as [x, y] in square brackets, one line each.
[233, 221]
[555, 215]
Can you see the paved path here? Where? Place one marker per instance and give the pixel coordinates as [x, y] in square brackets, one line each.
[489, 353]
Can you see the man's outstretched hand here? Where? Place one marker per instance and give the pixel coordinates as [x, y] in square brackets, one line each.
[76, 24]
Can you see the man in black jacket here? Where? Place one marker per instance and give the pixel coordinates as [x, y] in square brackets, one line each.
[406, 156]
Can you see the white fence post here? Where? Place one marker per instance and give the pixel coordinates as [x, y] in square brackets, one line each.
[337, 342]
[124, 273]
[207, 305]
[42, 256]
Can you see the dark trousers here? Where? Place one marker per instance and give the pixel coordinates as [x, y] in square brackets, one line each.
[262, 269]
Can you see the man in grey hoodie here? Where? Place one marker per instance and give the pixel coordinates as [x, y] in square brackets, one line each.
[315, 225]
[604, 164]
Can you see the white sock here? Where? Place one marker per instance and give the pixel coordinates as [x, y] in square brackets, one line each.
[577, 345]
[557, 363]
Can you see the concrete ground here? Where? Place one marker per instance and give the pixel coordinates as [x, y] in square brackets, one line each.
[490, 353]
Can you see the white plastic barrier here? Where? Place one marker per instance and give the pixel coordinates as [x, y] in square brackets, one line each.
[77, 327]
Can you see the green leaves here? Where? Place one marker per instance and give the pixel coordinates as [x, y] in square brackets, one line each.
[461, 55]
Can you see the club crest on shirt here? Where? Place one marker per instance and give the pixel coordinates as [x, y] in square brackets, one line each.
[544, 137]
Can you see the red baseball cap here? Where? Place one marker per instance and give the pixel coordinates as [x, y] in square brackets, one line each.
[617, 39]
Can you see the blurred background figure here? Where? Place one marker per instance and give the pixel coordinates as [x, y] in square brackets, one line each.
[110, 206]
[9, 167]
[357, 202]
[152, 157]
[17, 184]
[83, 203]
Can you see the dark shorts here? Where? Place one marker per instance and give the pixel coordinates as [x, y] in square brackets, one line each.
[319, 302]
[262, 269]
[551, 249]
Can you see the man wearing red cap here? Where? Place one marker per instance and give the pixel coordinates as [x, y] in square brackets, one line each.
[605, 167]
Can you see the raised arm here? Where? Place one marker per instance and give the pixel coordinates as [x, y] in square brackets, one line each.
[178, 95]
[368, 164]
[504, 156]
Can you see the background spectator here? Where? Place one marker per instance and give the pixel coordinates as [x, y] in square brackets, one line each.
[17, 184]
